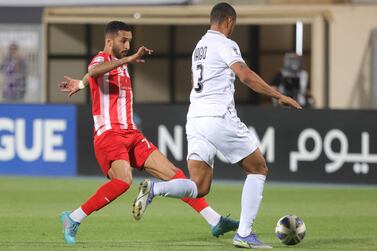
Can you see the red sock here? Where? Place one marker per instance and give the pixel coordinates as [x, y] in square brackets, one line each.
[199, 203]
[104, 195]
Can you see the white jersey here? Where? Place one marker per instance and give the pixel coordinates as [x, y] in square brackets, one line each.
[213, 79]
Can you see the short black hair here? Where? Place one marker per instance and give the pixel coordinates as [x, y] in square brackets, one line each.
[113, 27]
[221, 11]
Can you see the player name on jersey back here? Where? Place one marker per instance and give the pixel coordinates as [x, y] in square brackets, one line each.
[200, 53]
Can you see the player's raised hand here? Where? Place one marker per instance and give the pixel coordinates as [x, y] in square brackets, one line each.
[289, 102]
[137, 57]
[69, 85]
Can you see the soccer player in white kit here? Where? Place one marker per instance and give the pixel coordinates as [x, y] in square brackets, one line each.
[213, 125]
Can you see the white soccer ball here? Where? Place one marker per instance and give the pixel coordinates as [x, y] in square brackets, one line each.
[290, 229]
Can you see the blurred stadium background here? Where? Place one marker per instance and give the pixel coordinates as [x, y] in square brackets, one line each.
[46, 137]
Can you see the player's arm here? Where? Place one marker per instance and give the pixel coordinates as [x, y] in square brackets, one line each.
[102, 68]
[71, 86]
[256, 83]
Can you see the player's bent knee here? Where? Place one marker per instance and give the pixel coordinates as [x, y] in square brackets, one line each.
[126, 179]
[264, 170]
[121, 170]
[258, 168]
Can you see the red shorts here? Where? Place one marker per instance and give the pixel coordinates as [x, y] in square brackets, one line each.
[128, 145]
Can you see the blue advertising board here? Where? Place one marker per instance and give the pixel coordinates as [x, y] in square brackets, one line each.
[38, 140]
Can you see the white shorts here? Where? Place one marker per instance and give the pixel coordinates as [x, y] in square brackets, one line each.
[226, 134]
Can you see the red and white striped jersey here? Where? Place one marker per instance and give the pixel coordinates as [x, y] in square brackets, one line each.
[111, 97]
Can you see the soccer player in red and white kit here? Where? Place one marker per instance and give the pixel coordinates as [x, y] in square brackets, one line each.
[118, 144]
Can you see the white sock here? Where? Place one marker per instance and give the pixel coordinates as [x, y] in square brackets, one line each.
[211, 216]
[250, 202]
[78, 215]
[177, 188]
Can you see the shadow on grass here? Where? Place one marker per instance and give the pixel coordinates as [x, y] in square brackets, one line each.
[332, 244]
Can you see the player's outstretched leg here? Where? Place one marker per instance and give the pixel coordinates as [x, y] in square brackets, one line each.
[70, 228]
[250, 241]
[219, 224]
[225, 225]
[143, 199]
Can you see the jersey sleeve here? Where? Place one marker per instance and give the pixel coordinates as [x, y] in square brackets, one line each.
[96, 60]
[231, 53]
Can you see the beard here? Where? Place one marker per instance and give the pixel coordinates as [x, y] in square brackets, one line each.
[118, 53]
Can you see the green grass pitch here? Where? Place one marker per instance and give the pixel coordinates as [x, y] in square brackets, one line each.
[337, 218]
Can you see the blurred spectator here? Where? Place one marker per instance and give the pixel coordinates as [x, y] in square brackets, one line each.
[293, 81]
[14, 69]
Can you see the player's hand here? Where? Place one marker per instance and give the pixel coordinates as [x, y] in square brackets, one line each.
[69, 85]
[137, 57]
[289, 102]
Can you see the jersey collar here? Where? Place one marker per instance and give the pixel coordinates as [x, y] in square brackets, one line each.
[215, 33]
